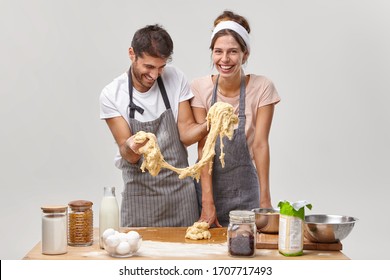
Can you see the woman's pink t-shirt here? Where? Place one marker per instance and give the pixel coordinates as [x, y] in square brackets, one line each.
[260, 91]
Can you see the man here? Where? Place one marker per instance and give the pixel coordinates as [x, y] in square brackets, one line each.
[153, 97]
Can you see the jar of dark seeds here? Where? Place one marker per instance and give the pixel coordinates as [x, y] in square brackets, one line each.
[80, 223]
[241, 233]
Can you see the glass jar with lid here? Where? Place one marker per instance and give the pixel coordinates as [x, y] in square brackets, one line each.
[80, 225]
[54, 229]
[241, 233]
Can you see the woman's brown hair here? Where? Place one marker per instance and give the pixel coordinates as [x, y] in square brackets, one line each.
[231, 16]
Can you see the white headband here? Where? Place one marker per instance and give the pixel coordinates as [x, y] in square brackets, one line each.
[232, 25]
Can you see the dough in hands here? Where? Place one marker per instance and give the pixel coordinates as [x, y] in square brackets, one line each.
[153, 159]
[199, 230]
[220, 122]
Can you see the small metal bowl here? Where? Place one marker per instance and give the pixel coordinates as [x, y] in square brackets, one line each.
[323, 228]
[267, 220]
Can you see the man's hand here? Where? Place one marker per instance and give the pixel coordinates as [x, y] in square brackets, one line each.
[132, 145]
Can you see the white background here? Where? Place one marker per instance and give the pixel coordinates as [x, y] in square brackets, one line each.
[330, 61]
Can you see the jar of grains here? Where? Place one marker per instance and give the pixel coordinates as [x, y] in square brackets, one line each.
[80, 225]
[241, 233]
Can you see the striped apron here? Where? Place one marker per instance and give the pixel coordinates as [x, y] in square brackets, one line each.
[163, 200]
[236, 186]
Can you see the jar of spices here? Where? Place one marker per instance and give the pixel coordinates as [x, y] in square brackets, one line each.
[80, 226]
[54, 230]
[241, 233]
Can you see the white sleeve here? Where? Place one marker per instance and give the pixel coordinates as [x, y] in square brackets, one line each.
[186, 92]
[185, 89]
[107, 107]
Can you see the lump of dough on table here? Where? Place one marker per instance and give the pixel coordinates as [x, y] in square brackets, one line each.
[199, 230]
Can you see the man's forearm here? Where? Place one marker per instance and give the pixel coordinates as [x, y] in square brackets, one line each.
[193, 133]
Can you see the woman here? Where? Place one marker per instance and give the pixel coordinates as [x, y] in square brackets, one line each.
[244, 181]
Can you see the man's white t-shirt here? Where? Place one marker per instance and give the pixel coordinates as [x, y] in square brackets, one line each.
[114, 98]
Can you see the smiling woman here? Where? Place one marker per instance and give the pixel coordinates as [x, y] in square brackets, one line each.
[253, 98]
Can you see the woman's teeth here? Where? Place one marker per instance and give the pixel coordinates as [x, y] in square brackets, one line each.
[225, 67]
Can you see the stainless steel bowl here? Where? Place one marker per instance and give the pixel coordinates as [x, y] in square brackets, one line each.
[267, 220]
[323, 228]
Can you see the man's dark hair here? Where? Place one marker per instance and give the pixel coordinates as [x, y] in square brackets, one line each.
[152, 40]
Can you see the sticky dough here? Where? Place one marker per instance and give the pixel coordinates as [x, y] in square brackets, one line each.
[220, 122]
[199, 230]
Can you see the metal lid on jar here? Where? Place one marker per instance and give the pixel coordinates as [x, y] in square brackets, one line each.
[54, 208]
[242, 216]
[80, 204]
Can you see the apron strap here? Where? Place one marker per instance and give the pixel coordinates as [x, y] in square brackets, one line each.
[133, 107]
[214, 98]
[241, 112]
[163, 93]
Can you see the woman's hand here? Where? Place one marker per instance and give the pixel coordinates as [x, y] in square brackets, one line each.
[209, 215]
[265, 204]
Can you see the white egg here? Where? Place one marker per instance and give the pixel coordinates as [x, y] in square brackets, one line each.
[133, 243]
[112, 241]
[132, 235]
[123, 248]
[110, 250]
[122, 236]
[108, 232]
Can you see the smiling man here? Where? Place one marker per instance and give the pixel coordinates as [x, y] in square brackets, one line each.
[153, 97]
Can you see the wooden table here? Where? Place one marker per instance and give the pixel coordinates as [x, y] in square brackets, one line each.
[169, 243]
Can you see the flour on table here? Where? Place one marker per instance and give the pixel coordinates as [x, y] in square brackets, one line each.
[156, 249]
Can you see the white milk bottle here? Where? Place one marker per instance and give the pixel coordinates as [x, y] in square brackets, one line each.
[108, 213]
